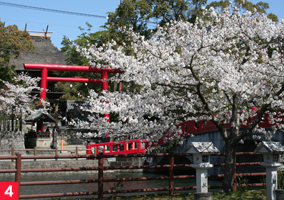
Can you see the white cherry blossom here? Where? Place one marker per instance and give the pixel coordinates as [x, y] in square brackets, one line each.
[216, 69]
[16, 97]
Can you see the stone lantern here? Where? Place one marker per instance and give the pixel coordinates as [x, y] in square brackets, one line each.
[201, 162]
[271, 157]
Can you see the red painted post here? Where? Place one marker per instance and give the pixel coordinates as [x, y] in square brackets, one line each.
[101, 176]
[105, 87]
[120, 86]
[43, 83]
[18, 173]
[88, 149]
[171, 173]
[139, 145]
[235, 175]
[201, 124]
[105, 82]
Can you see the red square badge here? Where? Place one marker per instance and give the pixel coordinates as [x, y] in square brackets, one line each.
[9, 191]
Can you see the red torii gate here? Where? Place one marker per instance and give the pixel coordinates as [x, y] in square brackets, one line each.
[70, 68]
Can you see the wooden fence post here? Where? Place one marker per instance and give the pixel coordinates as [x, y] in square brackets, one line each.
[77, 152]
[56, 153]
[171, 173]
[235, 175]
[18, 173]
[13, 153]
[101, 175]
[34, 153]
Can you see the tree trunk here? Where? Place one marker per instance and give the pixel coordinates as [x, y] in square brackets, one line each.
[228, 181]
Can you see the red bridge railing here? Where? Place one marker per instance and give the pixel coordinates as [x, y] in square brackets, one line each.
[122, 147]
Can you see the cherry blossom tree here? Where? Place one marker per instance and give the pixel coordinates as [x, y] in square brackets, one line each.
[215, 70]
[16, 98]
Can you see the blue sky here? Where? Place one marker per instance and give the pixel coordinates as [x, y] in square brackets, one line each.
[65, 24]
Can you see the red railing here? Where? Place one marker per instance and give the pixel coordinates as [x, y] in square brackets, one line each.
[122, 147]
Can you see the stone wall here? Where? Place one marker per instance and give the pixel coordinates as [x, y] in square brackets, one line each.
[9, 139]
[73, 163]
[52, 164]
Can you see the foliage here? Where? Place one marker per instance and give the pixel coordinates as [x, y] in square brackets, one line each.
[263, 180]
[116, 186]
[6, 73]
[139, 14]
[259, 194]
[259, 7]
[72, 91]
[12, 42]
[238, 195]
[171, 145]
[242, 183]
[130, 13]
[280, 179]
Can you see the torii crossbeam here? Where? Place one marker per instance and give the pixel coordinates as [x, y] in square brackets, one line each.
[70, 68]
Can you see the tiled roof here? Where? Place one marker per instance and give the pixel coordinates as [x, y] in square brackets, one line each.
[46, 117]
[274, 147]
[203, 147]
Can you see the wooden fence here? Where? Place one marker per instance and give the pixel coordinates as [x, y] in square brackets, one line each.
[57, 151]
[101, 168]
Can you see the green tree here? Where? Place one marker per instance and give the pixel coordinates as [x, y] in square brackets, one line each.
[140, 14]
[259, 7]
[12, 42]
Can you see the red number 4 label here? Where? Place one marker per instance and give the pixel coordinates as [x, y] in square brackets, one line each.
[9, 191]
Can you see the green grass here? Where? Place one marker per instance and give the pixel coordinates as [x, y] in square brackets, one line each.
[240, 195]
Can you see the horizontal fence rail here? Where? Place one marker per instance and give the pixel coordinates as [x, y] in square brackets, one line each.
[101, 168]
[72, 151]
